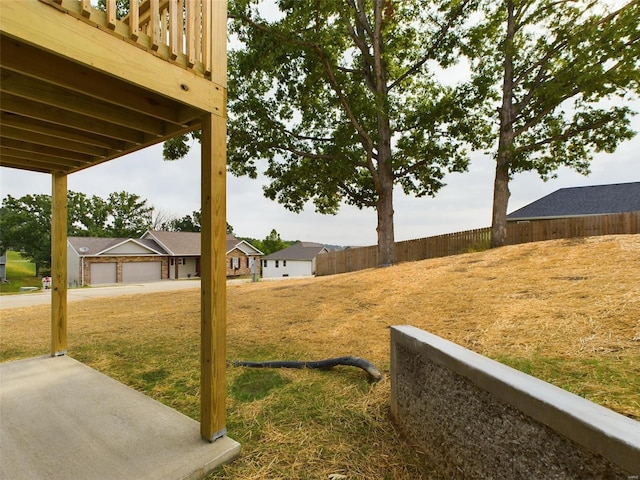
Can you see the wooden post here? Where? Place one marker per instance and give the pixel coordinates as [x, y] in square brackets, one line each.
[59, 265]
[213, 280]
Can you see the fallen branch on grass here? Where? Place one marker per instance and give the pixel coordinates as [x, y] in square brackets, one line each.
[368, 367]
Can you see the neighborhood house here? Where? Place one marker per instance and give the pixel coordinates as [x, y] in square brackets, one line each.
[298, 260]
[157, 255]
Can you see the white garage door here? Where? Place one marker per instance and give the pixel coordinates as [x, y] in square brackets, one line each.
[103, 273]
[141, 272]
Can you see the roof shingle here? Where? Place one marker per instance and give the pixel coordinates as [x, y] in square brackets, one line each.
[582, 201]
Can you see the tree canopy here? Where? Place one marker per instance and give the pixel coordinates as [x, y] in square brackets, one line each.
[340, 99]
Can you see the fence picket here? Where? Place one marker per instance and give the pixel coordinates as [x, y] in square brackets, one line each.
[360, 258]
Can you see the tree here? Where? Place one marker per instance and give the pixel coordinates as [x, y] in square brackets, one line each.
[25, 226]
[87, 216]
[129, 215]
[273, 243]
[188, 223]
[339, 98]
[552, 69]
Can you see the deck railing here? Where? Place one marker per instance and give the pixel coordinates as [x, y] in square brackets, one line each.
[177, 30]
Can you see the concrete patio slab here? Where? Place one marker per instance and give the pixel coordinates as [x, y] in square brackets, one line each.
[60, 419]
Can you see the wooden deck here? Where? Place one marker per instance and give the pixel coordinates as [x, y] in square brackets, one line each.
[75, 92]
[79, 87]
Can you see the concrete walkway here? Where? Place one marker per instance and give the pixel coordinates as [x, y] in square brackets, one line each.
[60, 419]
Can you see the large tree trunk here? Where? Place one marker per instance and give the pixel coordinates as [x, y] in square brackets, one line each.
[384, 207]
[505, 142]
[500, 203]
[386, 236]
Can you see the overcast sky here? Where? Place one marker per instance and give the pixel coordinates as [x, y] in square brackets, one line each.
[465, 203]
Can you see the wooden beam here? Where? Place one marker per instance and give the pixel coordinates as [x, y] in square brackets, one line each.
[28, 108]
[175, 29]
[192, 31]
[26, 164]
[60, 131]
[213, 279]
[134, 19]
[85, 8]
[59, 265]
[219, 44]
[57, 71]
[44, 151]
[52, 141]
[49, 94]
[27, 156]
[111, 14]
[37, 23]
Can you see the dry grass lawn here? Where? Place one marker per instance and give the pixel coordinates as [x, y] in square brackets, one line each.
[566, 311]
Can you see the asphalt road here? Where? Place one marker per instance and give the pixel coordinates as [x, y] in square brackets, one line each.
[43, 297]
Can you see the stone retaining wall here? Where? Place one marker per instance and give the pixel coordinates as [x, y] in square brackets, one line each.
[476, 418]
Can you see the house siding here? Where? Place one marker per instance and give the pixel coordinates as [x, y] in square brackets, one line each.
[293, 268]
[243, 262]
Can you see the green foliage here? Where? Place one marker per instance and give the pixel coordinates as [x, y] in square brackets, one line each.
[318, 95]
[341, 100]
[25, 223]
[270, 244]
[130, 216]
[188, 223]
[122, 7]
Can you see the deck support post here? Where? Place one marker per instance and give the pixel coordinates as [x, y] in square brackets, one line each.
[213, 280]
[59, 264]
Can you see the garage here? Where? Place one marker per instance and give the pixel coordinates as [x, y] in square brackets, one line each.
[103, 273]
[141, 272]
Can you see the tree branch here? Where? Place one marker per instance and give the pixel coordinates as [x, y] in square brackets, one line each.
[440, 37]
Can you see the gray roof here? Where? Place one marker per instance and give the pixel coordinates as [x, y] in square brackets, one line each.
[583, 201]
[86, 246]
[298, 251]
[188, 243]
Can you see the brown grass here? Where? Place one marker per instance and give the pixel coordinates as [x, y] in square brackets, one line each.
[566, 311]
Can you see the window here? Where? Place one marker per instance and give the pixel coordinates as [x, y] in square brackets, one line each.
[247, 262]
[277, 263]
[284, 263]
[264, 263]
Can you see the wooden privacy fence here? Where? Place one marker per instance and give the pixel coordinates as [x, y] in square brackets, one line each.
[353, 259]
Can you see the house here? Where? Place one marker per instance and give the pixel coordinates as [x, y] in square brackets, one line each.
[183, 249]
[95, 261]
[298, 260]
[156, 256]
[581, 202]
[82, 87]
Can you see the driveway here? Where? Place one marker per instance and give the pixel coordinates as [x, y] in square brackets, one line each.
[74, 294]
